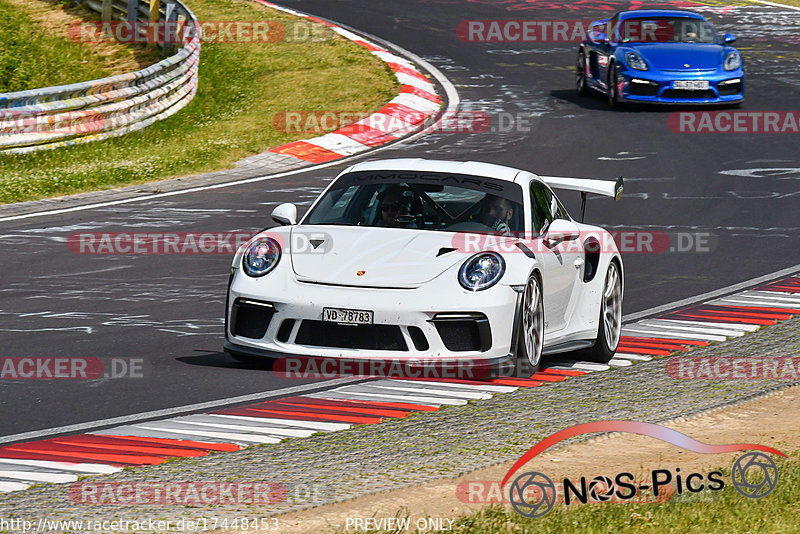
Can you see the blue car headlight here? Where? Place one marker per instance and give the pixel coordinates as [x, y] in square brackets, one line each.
[733, 61]
[481, 271]
[635, 61]
[261, 256]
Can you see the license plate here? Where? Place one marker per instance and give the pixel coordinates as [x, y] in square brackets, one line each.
[692, 85]
[343, 315]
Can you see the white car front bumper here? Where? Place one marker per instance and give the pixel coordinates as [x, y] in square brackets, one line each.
[278, 315]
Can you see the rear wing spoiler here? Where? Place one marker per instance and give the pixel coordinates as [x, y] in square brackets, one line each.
[606, 188]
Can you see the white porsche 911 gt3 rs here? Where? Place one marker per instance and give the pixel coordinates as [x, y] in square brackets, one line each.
[430, 260]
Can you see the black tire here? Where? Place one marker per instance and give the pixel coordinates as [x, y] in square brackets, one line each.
[608, 331]
[530, 329]
[580, 75]
[611, 91]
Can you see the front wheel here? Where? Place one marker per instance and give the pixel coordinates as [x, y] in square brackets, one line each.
[530, 340]
[610, 327]
[613, 90]
[580, 75]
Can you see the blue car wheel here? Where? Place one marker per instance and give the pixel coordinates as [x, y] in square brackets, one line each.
[612, 93]
[580, 75]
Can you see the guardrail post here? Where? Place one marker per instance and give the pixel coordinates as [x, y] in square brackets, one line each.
[170, 34]
[154, 5]
[180, 33]
[106, 9]
[133, 10]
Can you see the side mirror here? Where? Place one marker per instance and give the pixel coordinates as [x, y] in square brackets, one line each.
[600, 37]
[561, 230]
[285, 214]
[729, 38]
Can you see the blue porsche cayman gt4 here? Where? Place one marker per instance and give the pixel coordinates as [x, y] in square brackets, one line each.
[662, 57]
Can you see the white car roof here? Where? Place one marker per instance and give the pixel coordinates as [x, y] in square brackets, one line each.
[475, 168]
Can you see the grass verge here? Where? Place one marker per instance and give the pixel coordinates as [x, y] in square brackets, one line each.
[36, 52]
[724, 511]
[787, 2]
[242, 86]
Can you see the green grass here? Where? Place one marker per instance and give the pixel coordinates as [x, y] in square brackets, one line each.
[787, 2]
[724, 511]
[30, 57]
[242, 87]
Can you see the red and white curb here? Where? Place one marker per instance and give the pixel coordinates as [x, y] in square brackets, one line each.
[405, 114]
[64, 459]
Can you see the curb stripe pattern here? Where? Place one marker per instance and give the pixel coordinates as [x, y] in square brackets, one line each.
[64, 459]
[403, 115]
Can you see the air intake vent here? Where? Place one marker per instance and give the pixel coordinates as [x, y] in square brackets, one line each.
[251, 318]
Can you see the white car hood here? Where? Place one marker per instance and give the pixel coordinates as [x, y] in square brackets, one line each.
[385, 257]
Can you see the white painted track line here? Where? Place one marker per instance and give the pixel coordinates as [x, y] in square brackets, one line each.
[628, 356]
[257, 430]
[772, 296]
[619, 362]
[722, 326]
[756, 303]
[491, 388]
[198, 435]
[370, 396]
[96, 469]
[675, 327]
[644, 331]
[445, 393]
[13, 486]
[314, 425]
[35, 476]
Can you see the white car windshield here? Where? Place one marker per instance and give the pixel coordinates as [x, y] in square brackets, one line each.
[423, 201]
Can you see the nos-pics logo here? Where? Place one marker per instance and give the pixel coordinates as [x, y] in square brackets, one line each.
[533, 494]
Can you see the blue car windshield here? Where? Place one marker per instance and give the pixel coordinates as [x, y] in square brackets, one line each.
[666, 30]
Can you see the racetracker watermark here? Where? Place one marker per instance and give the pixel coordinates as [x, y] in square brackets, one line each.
[522, 31]
[734, 122]
[177, 493]
[625, 241]
[733, 368]
[292, 368]
[557, 31]
[173, 32]
[599, 489]
[70, 368]
[533, 494]
[397, 120]
[55, 124]
[189, 243]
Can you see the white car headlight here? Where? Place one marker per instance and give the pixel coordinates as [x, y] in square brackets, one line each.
[635, 61]
[481, 271]
[733, 61]
[261, 256]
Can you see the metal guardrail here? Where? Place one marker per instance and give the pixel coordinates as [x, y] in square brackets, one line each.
[64, 115]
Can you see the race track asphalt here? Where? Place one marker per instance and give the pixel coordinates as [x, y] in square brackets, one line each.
[737, 193]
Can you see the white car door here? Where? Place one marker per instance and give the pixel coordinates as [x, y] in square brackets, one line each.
[559, 253]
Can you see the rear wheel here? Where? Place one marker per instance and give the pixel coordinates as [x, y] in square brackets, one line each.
[530, 340]
[580, 75]
[610, 327]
